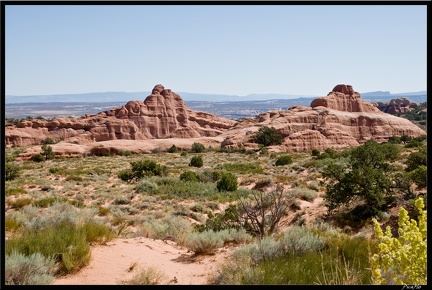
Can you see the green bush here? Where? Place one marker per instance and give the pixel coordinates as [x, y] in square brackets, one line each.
[367, 177]
[413, 143]
[34, 269]
[283, 160]
[267, 136]
[173, 149]
[196, 161]
[38, 158]
[47, 152]
[228, 182]
[197, 147]
[299, 240]
[141, 169]
[12, 171]
[126, 174]
[415, 159]
[209, 176]
[315, 152]
[188, 176]
[146, 186]
[419, 176]
[48, 141]
[243, 167]
[203, 243]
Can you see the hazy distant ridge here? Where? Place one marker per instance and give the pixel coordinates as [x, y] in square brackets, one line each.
[127, 96]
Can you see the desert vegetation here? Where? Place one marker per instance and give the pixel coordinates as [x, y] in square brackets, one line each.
[292, 218]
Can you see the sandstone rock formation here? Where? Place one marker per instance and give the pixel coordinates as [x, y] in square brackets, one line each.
[163, 114]
[396, 106]
[337, 120]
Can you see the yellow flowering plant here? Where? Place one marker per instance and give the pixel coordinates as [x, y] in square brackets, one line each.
[402, 260]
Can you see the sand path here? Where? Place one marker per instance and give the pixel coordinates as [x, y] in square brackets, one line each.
[110, 264]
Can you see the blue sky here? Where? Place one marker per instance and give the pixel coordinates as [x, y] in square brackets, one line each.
[214, 49]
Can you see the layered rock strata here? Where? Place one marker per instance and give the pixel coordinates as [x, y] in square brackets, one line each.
[340, 119]
[163, 114]
[337, 120]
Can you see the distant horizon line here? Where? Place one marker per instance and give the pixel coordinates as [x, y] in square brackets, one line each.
[220, 94]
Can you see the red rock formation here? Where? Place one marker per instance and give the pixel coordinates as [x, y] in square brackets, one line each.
[396, 106]
[163, 114]
[337, 120]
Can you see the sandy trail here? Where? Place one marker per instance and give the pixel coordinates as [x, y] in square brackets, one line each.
[110, 264]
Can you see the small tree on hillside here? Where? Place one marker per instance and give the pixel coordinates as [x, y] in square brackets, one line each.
[228, 182]
[262, 212]
[196, 161]
[367, 177]
[47, 152]
[267, 136]
[197, 147]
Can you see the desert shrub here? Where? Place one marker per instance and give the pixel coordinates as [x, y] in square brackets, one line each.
[146, 186]
[173, 149]
[402, 260]
[124, 153]
[65, 243]
[12, 171]
[315, 152]
[313, 185]
[103, 211]
[260, 213]
[48, 141]
[146, 276]
[14, 191]
[197, 147]
[416, 159]
[20, 202]
[188, 176]
[141, 169]
[237, 236]
[204, 242]
[419, 176]
[263, 183]
[45, 202]
[303, 193]
[12, 225]
[228, 182]
[367, 177]
[184, 153]
[121, 200]
[394, 140]
[126, 174]
[303, 256]
[228, 219]
[196, 161]
[47, 152]
[169, 226]
[242, 167]
[38, 157]
[298, 240]
[283, 160]
[34, 269]
[209, 176]
[199, 207]
[413, 143]
[267, 136]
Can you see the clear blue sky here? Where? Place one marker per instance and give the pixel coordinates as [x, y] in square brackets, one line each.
[233, 50]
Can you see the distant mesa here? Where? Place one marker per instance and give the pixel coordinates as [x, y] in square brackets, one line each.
[340, 119]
